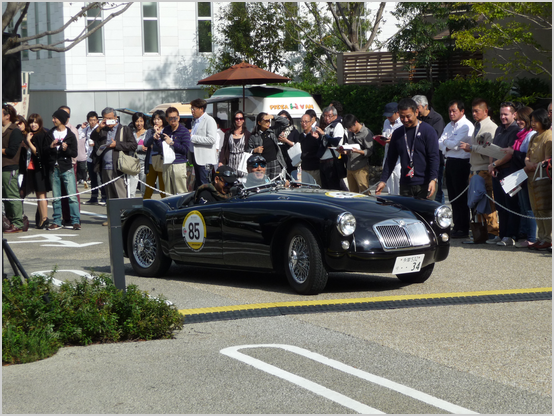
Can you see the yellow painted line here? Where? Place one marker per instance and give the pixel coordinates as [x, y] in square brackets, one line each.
[197, 311]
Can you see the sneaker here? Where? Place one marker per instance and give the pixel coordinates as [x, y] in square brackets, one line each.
[76, 227]
[522, 244]
[506, 242]
[12, 230]
[53, 227]
[102, 202]
[91, 202]
[494, 240]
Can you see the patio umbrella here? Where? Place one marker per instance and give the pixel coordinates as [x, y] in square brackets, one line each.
[242, 74]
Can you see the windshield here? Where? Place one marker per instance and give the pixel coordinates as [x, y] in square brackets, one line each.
[258, 179]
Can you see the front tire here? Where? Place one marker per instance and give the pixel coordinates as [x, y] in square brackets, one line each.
[145, 250]
[304, 266]
[418, 277]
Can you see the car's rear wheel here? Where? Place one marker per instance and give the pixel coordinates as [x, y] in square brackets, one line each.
[304, 266]
[145, 250]
[418, 277]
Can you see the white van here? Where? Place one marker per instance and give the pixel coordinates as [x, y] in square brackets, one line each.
[260, 98]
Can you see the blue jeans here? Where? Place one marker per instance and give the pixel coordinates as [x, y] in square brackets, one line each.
[68, 179]
[527, 226]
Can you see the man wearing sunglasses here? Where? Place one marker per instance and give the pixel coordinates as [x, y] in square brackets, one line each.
[256, 166]
[219, 189]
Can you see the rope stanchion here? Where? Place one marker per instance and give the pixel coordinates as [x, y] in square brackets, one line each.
[516, 213]
[156, 189]
[67, 196]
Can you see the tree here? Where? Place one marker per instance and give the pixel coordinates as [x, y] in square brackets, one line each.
[425, 34]
[514, 31]
[16, 12]
[298, 38]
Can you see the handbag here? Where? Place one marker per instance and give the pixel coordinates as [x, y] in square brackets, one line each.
[129, 165]
[157, 163]
[295, 154]
[542, 189]
[479, 231]
[243, 166]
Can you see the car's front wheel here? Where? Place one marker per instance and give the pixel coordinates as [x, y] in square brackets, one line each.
[145, 251]
[418, 277]
[304, 266]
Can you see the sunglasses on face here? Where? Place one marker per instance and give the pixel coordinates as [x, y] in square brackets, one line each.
[173, 118]
[239, 118]
[258, 164]
[266, 121]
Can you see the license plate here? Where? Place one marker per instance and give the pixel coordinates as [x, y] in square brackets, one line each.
[408, 264]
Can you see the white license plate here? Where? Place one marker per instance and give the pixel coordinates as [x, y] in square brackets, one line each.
[408, 264]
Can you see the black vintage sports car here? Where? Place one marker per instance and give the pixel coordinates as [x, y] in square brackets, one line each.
[302, 230]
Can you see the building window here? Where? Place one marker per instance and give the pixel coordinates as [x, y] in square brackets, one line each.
[150, 27]
[36, 28]
[204, 27]
[94, 41]
[48, 28]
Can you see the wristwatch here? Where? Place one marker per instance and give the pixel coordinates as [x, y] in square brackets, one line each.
[436, 180]
[493, 164]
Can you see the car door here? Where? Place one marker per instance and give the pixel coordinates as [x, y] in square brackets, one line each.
[194, 234]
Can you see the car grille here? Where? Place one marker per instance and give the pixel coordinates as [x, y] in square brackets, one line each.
[402, 234]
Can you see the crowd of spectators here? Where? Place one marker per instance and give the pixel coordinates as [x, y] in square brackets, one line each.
[421, 151]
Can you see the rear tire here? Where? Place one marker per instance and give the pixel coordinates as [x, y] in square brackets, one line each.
[145, 249]
[418, 277]
[304, 266]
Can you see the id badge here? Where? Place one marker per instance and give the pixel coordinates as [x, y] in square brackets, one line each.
[410, 173]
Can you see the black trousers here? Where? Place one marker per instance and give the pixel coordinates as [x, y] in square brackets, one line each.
[415, 191]
[329, 177]
[456, 172]
[508, 223]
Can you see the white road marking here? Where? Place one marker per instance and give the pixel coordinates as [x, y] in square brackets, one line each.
[233, 352]
[53, 238]
[59, 282]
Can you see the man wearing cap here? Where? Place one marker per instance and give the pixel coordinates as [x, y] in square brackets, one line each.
[256, 166]
[219, 189]
[391, 123]
[63, 147]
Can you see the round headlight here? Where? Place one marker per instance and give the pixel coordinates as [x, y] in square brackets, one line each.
[346, 223]
[443, 216]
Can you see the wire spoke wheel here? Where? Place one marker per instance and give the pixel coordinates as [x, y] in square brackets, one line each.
[144, 246]
[145, 250]
[299, 259]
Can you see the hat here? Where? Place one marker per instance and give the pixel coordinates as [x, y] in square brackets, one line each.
[255, 159]
[61, 115]
[227, 174]
[390, 109]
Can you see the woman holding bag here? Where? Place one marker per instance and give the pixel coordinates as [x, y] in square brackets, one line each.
[153, 165]
[235, 143]
[264, 141]
[540, 186]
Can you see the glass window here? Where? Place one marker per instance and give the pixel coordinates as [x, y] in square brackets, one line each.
[150, 27]
[95, 40]
[204, 27]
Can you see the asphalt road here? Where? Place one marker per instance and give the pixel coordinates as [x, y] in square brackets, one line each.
[486, 358]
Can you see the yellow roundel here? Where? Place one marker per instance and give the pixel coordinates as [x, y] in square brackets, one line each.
[194, 230]
[344, 195]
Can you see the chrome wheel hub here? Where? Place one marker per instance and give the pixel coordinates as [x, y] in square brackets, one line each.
[298, 259]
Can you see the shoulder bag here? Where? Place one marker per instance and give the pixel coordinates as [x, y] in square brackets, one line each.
[129, 165]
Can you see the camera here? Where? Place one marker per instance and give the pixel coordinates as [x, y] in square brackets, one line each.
[110, 122]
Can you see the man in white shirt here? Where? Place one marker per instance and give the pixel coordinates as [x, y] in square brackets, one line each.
[457, 165]
[391, 123]
[204, 138]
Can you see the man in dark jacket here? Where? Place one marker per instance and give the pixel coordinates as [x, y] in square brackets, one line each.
[63, 146]
[435, 120]
[11, 148]
[110, 138]
[418, 147]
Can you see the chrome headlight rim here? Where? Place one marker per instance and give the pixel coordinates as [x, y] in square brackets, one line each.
[346, 224]
[443, 216]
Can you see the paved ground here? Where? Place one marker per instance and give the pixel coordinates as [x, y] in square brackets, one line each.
[489, 358]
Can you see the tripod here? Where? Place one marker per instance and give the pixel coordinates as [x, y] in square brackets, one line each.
[14, 262]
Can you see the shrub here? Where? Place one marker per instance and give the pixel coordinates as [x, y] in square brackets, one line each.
[37, 319]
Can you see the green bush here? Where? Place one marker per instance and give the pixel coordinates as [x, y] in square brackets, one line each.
[37, 319]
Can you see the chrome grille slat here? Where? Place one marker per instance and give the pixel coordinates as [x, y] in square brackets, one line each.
[401, 234]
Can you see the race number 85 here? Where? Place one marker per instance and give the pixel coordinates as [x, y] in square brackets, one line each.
[194, 230]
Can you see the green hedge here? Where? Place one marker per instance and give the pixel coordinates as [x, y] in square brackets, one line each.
[38, 319]
[367, 102]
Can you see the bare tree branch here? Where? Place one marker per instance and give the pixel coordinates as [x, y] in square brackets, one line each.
[340, 34]
[375, 29]
[21, 16]
[23, 45]
[11, 9]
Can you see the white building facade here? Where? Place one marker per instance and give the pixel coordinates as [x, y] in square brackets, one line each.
[152, 53]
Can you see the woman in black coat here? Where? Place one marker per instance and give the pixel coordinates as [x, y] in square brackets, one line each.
[287, 139]
[37, 176]
[235, 142]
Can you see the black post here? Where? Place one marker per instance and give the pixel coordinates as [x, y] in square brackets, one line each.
[14, 262]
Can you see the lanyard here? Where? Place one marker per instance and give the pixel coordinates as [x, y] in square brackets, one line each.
[411, 153]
